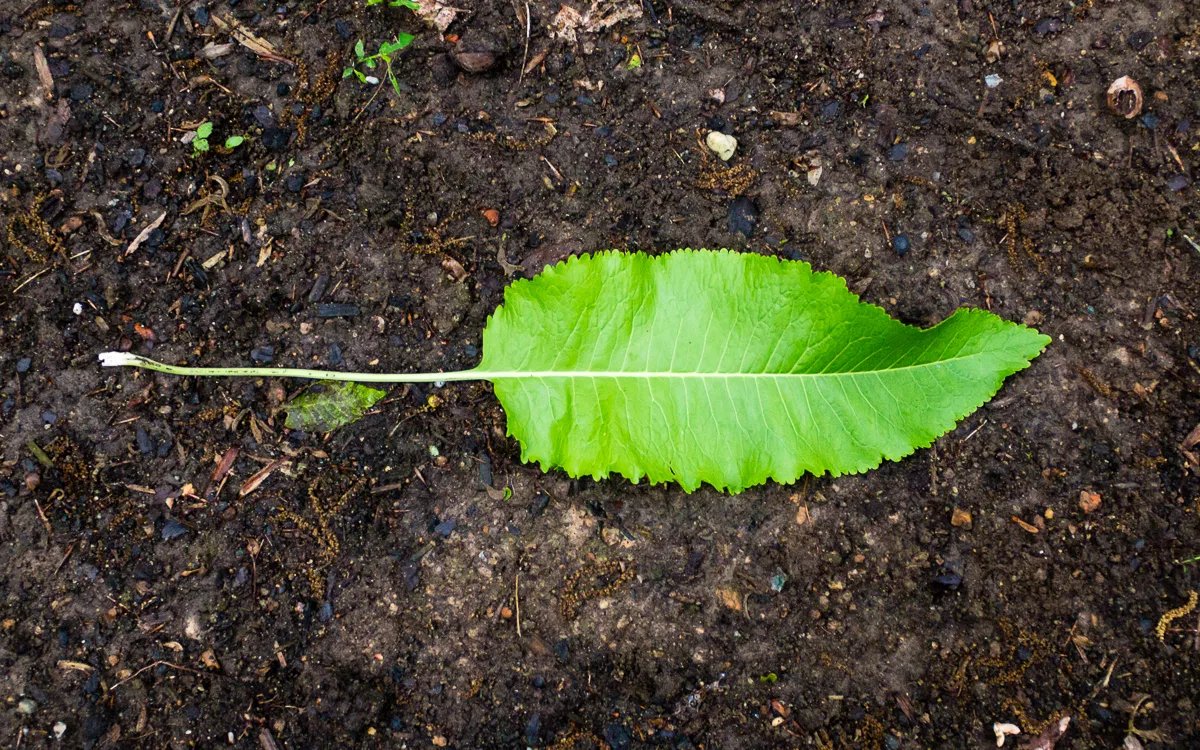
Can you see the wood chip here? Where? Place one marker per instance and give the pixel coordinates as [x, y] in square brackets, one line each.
[77, 666]
[249, 40]
[1025, 525]
[145, 234]
[960, 518]
[1089, 501]
[259, 477]
[43, 71]
[731, 599]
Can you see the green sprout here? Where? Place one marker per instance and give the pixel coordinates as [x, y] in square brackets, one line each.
[200, 139]
[410, 4]
[201, 135]
[383, 57]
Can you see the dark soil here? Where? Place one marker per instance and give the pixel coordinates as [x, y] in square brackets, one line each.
[379, 587]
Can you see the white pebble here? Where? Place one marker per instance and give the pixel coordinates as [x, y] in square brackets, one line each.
[59, 730]
[992, 80]
[721, 144]
[77, 308]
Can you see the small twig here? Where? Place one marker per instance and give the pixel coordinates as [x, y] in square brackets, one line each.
[152, 665]
[31, 278]
[525, 54]
[517, 597]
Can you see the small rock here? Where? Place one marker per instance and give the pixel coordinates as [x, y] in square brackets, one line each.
[1047, 26]
[59, 730]
[27, 707]
[1178, 182]
[721, 144]
[477, 52]
[898, 152]
[617, 736]
[337, 310]
[262, 355]
[992, 80]
[49, 417]
[1139, 39]
[965, 232]
[23, 364]
[276, 139]
[960, 518]
[446, 528]
[901, 244]
[743, 216]
[173, 529]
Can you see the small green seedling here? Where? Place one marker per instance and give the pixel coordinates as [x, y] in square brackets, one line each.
[384, 57]
[410, 4]
[201, 135]
[200, 139]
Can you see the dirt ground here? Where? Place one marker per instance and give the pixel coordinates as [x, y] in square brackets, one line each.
[180, 570]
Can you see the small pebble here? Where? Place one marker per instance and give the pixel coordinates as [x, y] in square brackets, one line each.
[965, 232]
[23, 364]
[77, 308]
[173, 529]
[446, 528]
[901, 244]
[1048, 26]
[743, 216]
[49, 417]
[1139, 39]
[262, 355]
[27, 707]
[276, 139]
[898, 152]
[992, 80]
[721, 144]
[337, 310]
[1178, 182]
[59, 730]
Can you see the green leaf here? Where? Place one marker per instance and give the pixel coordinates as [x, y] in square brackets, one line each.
[395, 83]
[347, 72]
[730, 369]
[200, 144]
[410, 4]
[234, 141]
[360, 49]
[328, 406]
[204, 131]
[402, 41]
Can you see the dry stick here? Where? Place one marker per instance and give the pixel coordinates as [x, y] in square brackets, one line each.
[517, 600]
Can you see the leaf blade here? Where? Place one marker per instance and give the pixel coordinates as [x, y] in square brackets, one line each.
[331, 405]
[729, 369]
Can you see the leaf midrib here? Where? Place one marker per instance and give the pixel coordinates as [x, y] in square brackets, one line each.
[666, 374]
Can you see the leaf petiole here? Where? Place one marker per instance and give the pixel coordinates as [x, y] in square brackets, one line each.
[125, 359]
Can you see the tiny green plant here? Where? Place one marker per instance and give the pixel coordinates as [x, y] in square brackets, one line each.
[410, 4]
[204, 131]
[200, 138]
[385, 57]
[702, 366]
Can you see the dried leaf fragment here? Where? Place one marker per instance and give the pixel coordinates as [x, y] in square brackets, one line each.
[1125, 97]
[731, 599]
[1089, 501]
[960, 518]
